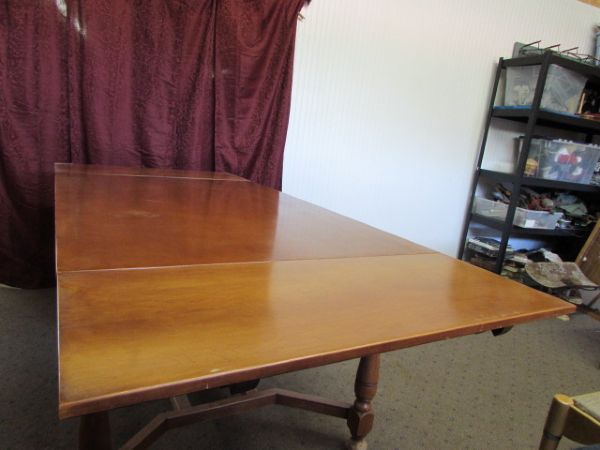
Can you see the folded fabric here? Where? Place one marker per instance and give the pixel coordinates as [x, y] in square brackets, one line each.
[574, 209]
[558, 275]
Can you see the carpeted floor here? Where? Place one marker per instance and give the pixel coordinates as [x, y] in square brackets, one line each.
[477, 392]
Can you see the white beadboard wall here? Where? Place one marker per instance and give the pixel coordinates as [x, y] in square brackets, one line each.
[389, 102]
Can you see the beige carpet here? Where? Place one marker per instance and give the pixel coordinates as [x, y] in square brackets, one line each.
[477, 392]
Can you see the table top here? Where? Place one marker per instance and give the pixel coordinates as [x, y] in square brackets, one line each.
[107, 219]
[170, 284]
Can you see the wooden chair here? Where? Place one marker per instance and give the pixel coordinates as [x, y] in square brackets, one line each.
[588, 259]
[576, 418]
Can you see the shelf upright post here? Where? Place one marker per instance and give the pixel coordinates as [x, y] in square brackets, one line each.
[589, 138]
[480, 158]
[518, 174]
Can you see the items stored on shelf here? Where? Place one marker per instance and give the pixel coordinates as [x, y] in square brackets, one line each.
[596, 176]
[486, 246]
[555, 275]
[564, 279]
[523, 217]
[589, 105]
[536, 48]
[539, 268]
[598, 46]
[576, 215]
[536, 119]
[561, 160]
[542, 220]
[562, 90]
[489, 208]
[483, 251]
[545, 210]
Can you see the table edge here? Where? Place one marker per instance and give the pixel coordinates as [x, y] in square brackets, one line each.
[67, 169]
[113, 401]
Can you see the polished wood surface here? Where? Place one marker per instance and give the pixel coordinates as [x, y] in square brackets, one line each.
[132, 335]
[171, 282]
[107, 218]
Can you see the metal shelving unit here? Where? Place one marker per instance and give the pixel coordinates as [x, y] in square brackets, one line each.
[549, 119]
[500, 225]
[538, 182]
[533, 117]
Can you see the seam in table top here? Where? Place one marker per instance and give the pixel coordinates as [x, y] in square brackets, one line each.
[226, 263]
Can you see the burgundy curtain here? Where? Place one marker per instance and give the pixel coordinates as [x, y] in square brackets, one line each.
[190, 84]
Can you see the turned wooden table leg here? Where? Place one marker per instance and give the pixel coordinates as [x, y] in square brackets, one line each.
[94, 432]
[360, 416]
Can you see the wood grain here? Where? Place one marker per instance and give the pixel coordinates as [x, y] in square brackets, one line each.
[128, 336]
[595, 3]
[171, 282]
[108, 221]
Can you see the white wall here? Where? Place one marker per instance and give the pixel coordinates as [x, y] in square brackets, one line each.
[389, 101]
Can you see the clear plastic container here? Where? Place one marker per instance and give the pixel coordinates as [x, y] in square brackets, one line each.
[562, 160]
[524, 218]
[562, 91]
[489, 208]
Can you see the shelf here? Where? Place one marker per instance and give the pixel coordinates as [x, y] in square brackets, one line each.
[561, 185]
[499, 225]
[534, 118]
[502, 177]
[548, 119]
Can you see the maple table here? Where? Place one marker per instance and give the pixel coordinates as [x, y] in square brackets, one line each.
[171, 282]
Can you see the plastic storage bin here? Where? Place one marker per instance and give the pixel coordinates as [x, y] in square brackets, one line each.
[524, 218]
[562, 90]
[489, 208]
[562, 160]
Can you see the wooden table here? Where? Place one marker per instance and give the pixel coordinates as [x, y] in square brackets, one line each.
[171, 282]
